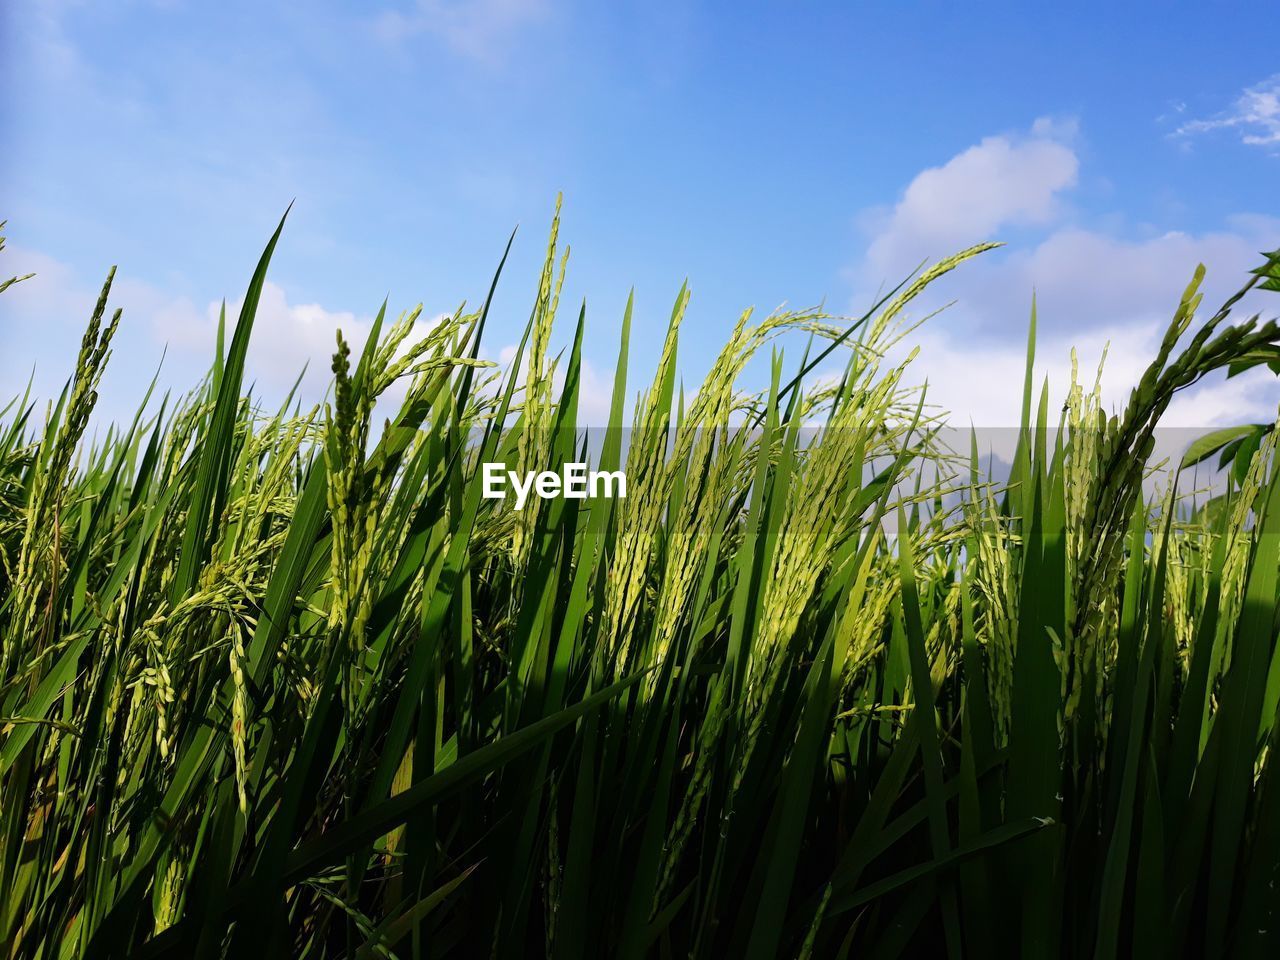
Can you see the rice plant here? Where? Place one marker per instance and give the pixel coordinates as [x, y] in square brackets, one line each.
[284, 682]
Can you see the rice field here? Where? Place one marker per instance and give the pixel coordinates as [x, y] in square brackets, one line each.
[283, 682]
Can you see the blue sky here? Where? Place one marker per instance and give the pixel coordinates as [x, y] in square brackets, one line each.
[770, 152]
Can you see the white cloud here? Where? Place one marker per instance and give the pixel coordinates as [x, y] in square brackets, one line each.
[595, 389]
[287, 337]
[595, 396]
[1088, 279]
[52, 286]
[981, 386]
[1092, 286]
[42, 320]
[983, 382]
[1004, 180]
[1255, 115]
[472, 28]
[1249, 397]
